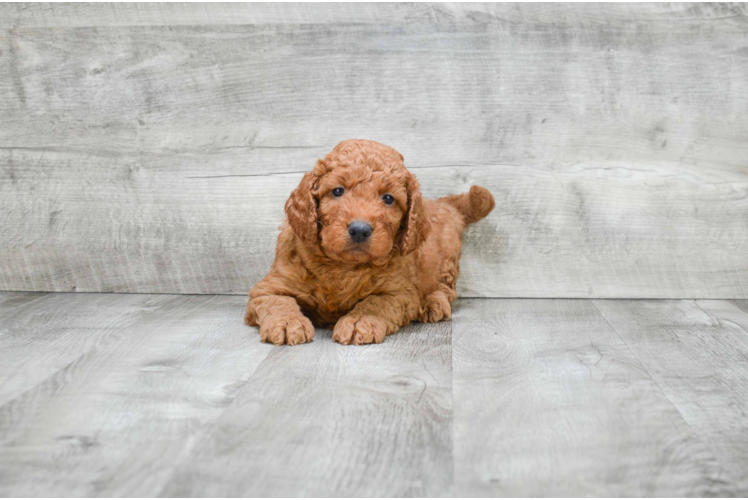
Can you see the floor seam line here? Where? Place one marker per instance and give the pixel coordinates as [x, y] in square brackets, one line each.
[734, 486]
[452, 420]
[83, 355]
[212, 424]
[717, 320]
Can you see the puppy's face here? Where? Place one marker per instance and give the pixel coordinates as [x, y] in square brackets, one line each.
[360, 213]
[359, 204]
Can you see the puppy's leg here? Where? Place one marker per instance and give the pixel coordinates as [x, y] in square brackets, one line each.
[280, 320]
[374, 318]
[438, 305]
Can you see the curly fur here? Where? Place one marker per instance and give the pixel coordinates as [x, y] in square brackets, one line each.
[406, 271]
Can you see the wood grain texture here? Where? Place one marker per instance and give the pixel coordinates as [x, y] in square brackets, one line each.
[150, 148]
[13, 15]
[697, 352]
[115, 420]
[580, 230]
[328, 420]
[549, 401]
[41, 334]
[527, 398]
[12, 300]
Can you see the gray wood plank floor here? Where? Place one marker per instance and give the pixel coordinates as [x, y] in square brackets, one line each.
[165, 395]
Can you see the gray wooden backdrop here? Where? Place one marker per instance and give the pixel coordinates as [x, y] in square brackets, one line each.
[150, 147]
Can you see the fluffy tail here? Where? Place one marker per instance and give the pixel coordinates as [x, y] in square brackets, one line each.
[473, 205]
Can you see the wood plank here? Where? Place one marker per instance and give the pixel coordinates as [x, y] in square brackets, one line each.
[549, 401]
[330, 420]
[464, 95]
[41, 334]
[119, 14]
[612, 136]
[114, 421]
[95, 15]
[10, 301]
[697, 352]
[583, 230]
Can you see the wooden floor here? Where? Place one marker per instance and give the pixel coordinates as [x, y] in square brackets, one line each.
[167, 395]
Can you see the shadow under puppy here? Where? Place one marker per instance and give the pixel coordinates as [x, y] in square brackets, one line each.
[363, 251]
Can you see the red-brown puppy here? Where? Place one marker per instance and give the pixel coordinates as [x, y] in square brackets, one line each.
[363, 251]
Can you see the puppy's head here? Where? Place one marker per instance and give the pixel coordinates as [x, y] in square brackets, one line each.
[359, 204]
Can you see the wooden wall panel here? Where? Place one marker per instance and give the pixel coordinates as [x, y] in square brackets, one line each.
[175, 14]
[150, 148]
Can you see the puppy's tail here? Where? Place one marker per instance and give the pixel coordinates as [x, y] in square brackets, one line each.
[473, 205]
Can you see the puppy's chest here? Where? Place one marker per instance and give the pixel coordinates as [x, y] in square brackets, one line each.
[339, 291]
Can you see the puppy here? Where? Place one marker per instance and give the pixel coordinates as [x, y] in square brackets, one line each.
[362, 251]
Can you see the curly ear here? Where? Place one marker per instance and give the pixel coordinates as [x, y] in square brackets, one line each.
[301, 209]
[415, 226]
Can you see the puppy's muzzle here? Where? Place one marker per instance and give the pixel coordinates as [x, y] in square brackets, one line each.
[359, 231]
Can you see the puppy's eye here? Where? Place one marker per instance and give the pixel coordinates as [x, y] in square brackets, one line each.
[338, 192]
[388, 199]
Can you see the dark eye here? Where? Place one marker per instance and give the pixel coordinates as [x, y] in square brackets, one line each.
[338, 192]
[388, 199]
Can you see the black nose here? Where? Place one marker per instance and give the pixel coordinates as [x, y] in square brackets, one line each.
[359, 231]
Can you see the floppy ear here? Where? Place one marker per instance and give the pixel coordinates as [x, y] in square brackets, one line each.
[415, 226]
[301, 209]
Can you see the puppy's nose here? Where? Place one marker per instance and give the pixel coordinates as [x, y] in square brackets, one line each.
[359, 231]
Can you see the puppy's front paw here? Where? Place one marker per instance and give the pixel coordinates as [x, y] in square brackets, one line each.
[251, 317]
[291, 330]
[436, 309]
[359, 330]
